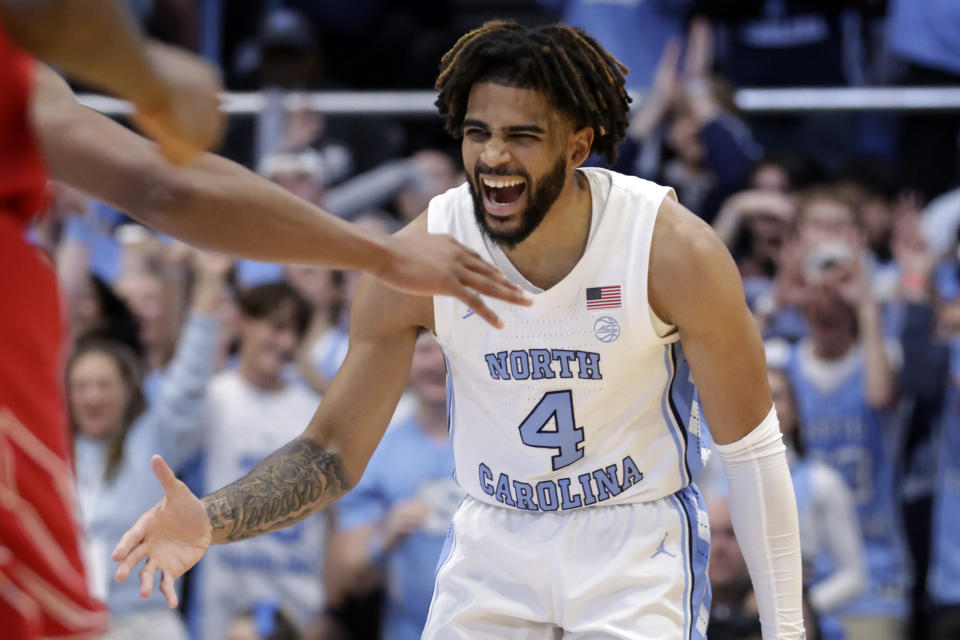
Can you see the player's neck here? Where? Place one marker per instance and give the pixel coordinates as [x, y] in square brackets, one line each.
[556, 246]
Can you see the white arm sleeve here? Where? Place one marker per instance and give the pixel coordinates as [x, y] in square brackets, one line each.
[764, 513]
[838, 516]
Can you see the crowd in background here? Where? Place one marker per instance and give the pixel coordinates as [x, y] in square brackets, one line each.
[845, 228]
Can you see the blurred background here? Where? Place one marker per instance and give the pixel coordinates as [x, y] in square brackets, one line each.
[818, 137]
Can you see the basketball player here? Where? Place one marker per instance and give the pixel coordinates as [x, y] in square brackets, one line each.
[577, 428]
[213, 202]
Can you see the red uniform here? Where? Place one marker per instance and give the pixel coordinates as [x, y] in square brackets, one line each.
[43, 588]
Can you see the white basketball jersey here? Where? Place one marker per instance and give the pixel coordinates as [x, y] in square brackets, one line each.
[577, 401]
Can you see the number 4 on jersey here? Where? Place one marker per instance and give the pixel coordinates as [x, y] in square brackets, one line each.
[556, 405]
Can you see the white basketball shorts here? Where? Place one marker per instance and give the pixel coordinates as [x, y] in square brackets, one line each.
[630, 571]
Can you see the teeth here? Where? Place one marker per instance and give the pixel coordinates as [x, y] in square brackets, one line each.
[500, 184]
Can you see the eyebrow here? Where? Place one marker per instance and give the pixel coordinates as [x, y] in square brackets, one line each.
[518, 128]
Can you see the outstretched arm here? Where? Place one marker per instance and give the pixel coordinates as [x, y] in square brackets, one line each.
[695, 285]
[307, 474]
[95, 41]
[174, 92]
[218, 205]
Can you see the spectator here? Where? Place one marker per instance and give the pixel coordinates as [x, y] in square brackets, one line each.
[687, 132]
[393, 523]
[153, 295]
[302, 174]
[783, 171]
[326, 356]
[756, 226]
[929, 330]
[944, 563]
[733, 611]
[115, 435]
[323, 291]
[253, 411]
[790, 43]
[263, 621]
[434, 173]
[95, 308]
[830, 540]
[844, 379]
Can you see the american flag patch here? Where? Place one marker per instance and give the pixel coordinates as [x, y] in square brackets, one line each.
[603, 297]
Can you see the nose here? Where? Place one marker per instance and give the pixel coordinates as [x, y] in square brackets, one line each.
[495, 152]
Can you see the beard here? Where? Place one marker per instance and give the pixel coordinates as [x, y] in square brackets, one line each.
[540, 198]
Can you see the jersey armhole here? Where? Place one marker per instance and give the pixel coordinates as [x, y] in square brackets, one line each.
[665, 332]
[441, 311]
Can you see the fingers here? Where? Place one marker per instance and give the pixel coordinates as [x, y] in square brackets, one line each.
[490, 281]
[129, 541]
[129, 562]
[475, 302]
[147, 574]
[483, 285]
[164, 474]
[168, 590]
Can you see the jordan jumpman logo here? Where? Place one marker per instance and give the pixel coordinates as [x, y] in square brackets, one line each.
[660, 549]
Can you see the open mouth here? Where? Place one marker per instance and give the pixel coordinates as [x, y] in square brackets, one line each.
[503, 195]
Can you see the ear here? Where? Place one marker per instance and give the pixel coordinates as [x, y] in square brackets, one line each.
[581, 141]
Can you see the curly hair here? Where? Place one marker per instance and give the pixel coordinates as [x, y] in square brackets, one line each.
[577, 75]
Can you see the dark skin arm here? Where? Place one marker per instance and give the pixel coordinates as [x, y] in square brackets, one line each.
[95, 41]
[99, 43]
[695, 285]
[307, 474]
[220, 206]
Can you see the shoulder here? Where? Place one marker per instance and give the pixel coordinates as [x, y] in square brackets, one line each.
[442, 211]
[690, 268]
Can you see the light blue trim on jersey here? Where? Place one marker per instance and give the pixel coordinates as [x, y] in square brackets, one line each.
[451, 406]
[695, 553]
[685, 557]
[671, 419]
[683, 394]
[445, 554]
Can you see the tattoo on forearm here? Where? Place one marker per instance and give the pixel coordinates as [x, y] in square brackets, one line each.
[283, 489]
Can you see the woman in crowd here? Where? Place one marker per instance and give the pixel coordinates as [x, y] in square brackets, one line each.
[116, 433]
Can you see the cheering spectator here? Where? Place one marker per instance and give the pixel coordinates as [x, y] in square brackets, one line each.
[263, 621]
[844, 379]
[116, 433]
[830, 540]
[253, 411]
[733, 611]
[687, 133]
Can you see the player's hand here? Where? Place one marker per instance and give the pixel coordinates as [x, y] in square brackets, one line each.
[172, 536]
[434, 264]
[183, 114]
